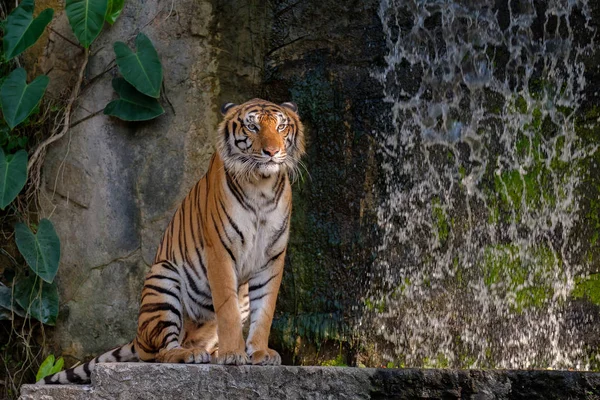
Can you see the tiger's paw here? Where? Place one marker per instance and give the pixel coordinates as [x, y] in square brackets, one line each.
[183, 356]
[232, 358]
[265, 357]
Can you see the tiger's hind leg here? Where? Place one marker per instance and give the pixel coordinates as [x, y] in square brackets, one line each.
[160, 320]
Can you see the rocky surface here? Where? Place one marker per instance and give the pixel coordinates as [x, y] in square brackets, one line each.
[176, 381]
[111, 187]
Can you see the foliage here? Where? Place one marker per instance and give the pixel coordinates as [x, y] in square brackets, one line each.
[22, 30]
[41, 250]
[38, 298]
[13, 175]
[132, 105]
[86, 18]
[18, 98]
[49, 366]
[140, 86]
[114, 10]
[142, 69]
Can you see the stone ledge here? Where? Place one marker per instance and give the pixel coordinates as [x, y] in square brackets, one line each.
[128, 381]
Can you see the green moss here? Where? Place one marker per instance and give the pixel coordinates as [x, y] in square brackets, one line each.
[521, 105]
[504, 263]
[442, 224]
[336, 362]
[588, 288]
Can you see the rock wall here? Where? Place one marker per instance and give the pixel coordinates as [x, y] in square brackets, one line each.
[111, 186]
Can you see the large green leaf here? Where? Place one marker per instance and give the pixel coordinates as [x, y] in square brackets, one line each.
[22, 30]
[132, 106]
[42, 250]
[114, 10]
[13, 175]
[86, 18]
[49, 367]
[18, 98]
[142, 69]
[38, 298]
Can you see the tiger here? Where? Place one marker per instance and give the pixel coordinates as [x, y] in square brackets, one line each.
[221, 257]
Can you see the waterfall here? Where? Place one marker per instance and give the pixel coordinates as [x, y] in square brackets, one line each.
[482, 247]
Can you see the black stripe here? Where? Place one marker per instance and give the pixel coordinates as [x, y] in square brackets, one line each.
[154, 307]
[73, 377]
[161, 326]
[194, 287]
[117, 354]
[222, 225]
[163, 291]
[259, 297]
[275, 257]
[236, 193]
[148, 294]
[222, 241]
[145, 324]
[280, 231]
[261, 285]
[233, 225]
[201, 263]
[157, 276]
[209, 307]
[191, 221]
[145, 348]
[164, 342]
[169, 266]
[279, 192]
[86, 368]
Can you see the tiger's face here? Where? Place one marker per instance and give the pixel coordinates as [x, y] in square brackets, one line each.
[259, 138]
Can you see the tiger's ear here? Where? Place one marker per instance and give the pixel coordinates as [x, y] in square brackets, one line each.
[291, 105]
[226, 107]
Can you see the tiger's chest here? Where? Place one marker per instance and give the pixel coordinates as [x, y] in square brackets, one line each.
[263, 221]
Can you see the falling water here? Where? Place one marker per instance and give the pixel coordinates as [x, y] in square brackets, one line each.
[480, 253]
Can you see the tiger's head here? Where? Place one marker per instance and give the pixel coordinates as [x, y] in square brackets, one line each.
[259, 138]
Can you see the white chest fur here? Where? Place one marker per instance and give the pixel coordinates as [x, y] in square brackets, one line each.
[263, 221]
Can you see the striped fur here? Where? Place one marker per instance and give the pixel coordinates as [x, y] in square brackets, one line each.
[221, 257]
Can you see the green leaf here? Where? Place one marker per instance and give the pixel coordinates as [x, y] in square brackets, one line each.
[13, 175]
[38, 298]
[42, 250]
[7, 302]
[49, 367]
[58, 366]
[86, 18]
[114, 10]
[18, 98]
[22, 30]
[142, 69]
[45, 368]
[132, 106]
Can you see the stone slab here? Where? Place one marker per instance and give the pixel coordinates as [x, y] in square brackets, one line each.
[129, 381]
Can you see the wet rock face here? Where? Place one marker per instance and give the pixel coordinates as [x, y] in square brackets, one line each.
[321, 57]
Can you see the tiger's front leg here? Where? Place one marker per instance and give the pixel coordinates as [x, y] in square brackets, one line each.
[263, 290]
[224, 290]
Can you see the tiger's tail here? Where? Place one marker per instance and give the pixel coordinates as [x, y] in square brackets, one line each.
[82, 373]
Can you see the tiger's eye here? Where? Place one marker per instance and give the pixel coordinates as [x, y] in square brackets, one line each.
[251, 127]
[282, 127]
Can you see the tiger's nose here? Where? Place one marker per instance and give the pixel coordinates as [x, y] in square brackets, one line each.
[270, 151]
